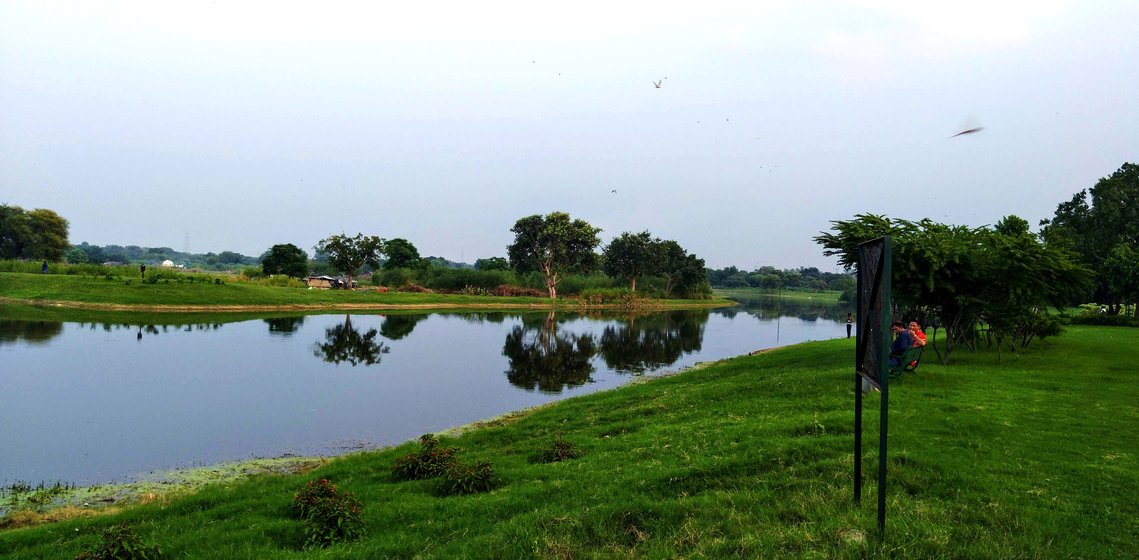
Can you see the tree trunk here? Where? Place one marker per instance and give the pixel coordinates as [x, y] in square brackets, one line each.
[633, 284]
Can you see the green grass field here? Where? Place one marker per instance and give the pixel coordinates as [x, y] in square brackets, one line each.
[1035, 456]
[745, 294]
[100, 291]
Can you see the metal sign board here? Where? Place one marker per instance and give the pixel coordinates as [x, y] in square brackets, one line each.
[872, 355]
[873, 340]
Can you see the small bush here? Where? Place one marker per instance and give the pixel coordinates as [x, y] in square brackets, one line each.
[431, 460]
[505, 290]
[561, 450]
[120, 543]
[330, 516]
[462, 479]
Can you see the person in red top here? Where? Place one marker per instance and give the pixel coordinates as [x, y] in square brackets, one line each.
[919, 337]
[918, 334]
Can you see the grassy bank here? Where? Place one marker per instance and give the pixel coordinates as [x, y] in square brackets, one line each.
[747, 294]
[96, 292]
[1036, 456]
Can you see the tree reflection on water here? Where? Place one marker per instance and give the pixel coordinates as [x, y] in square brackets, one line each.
[396, 327]
[649, 342]
[344, 343]
[542, 358]
[35, 332]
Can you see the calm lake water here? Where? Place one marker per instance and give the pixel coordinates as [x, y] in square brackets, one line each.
[91, 403]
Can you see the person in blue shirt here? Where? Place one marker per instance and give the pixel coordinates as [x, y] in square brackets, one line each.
[903, 341]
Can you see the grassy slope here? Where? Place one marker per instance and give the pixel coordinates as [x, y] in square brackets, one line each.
[755, 293]
[1034, 457]
[97, 290]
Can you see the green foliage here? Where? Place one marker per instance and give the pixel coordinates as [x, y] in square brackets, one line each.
[429, 462]
[460, 479]
[330, 516]
[493, 263]
[630, 255]
[38, 234]
[350, 254]
[1095, 222]
[971, 281]
[121, 543]
[287, 259]
[401, 254]
[560, 450]
[553, 245]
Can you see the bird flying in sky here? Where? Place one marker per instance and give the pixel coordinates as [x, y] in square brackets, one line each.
[973, 130]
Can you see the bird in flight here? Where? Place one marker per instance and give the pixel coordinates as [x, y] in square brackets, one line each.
[657, 83]
[614, 191]
[973, 130]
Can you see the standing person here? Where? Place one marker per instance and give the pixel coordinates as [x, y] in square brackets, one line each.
[43, 269]
[849, 323]
[903, 341]
[142, 271]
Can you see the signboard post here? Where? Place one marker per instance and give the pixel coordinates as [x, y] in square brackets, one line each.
[872, 355]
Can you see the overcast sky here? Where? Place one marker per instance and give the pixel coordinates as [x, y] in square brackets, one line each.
[240, 125]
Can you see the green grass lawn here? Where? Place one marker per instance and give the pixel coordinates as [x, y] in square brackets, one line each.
[744, 294]
[1035, 456]
[95, 290]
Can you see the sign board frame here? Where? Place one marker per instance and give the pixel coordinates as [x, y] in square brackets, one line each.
[872, 354]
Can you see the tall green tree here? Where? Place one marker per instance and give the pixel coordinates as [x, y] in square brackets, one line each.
[350, 254]
[1122, 272]
[630, 255]
[553, 245]
[287, 259]
[38, 234]
[684, 274]
[1097, 220]
[401, 254]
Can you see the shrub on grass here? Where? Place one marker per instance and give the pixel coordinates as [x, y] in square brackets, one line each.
[431, 460]
[462, 479]
[120, 543]
[561, 450]
[330, 516]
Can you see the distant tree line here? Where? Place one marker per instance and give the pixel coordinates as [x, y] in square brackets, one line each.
[548, 251]
[87, 253]
[771, 279]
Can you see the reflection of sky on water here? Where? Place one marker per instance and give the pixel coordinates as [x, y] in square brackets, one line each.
[92, 403]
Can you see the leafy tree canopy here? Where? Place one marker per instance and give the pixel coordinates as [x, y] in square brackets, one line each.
[1096, 221]
[401, 254]
[630, 255]
[38, 234]
[287, 259]
[350, 254]
[960, 277]
[493, 263]
[554, 245]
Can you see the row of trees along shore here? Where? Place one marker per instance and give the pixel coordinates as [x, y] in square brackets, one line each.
[1098, 230]
[553, 247]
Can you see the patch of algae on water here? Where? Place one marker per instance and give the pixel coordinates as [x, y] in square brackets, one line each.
[22, 505]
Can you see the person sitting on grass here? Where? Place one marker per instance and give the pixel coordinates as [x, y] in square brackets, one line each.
[917, 333]
[919, 338]
[903, 341]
